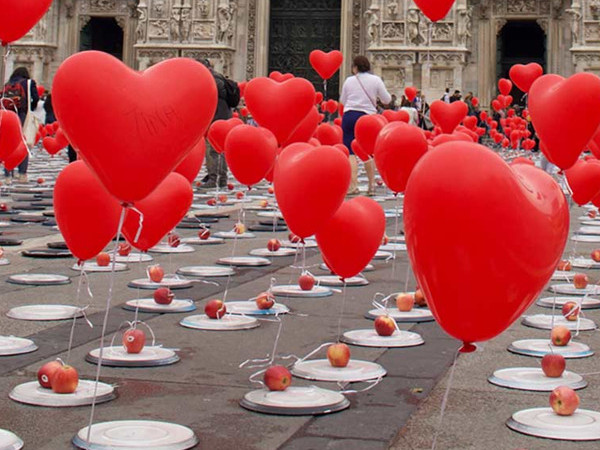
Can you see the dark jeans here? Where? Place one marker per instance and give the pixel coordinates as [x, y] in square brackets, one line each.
[22, 168]
[348, 123]
[216, 166]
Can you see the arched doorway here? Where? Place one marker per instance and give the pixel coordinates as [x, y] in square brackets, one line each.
[520, 42]
[103, 34]
[298, 27]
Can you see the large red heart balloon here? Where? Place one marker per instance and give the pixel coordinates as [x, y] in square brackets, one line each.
[326, 64]
[565, 114]
[191, 164]
[584, 180]
[396, 116]
[306, 129]
[280, 107]
[86, 214]
[218, 131]
[310, 185]
[17, 17]
[350, 239]
[132, 128]
[16, 157]
[524, 75]
[398, 148]
[499, 257]
[10, 133]
[250, 153]
[328, 134]
[410, 92]
[162, 210]
[367, 129]
[448, 115]
[435, 9]
[504, 86]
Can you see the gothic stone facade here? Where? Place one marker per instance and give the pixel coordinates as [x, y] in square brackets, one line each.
[404, 47]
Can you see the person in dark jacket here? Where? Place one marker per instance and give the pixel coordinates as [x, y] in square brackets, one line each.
[50, 117]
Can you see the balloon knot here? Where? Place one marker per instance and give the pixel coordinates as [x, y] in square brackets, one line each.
[467, 347]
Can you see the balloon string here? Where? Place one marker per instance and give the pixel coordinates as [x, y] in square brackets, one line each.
[104, 325]
[77, 299]
[140, 224]
[396, 231]
[445, 401]
[339, 331]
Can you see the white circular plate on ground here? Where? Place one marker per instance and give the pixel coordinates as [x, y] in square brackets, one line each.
[197, 241]
[569, 289]
[90, 266]
[295, 401]
[148, 305]
[227, 323]
[4, 262]
[321, 370]
[39, 279]
[44, 312]
[11, 345]
[134, 258]
[334, 280]
[399, 238]
[308, 243]
[533, 379]
[206, 271]
[32, 393]
[172, 283]
[563, 275]
[117, 356]
[244, 261]
[249, 308]
[590, 230]
[382, 255]
[234, 235]
[541, 347]
[544, 322]
[368, 268]
[393, 247]
[293, 290]
[590, 222]
[583, 425]
[132, 434]
[586, 302]
[584, 263]
[585, 238]
[270, 214]
[166, 248]
[414, 315]
[370, 338]
[10, 441]
[267, 253]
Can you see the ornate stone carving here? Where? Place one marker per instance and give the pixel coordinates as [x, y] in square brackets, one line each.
[522, 6]
[202, 9]
[414, 30]
[226, 21]
[394, 78]
[69, 8]
[394, 58]
[175, 25]
[444, 58]
[158, 8]
[592, 32]
[356, 26]
[544, 24]
[220, 59]
[251, 45]
[121, 21]
[392, 9]
[595, 9]
[393, 31]
[442, 32]
[103, 5]
[373, 21]
[149, 57]
[499, 25]
[142, 25]
[84, 20]
[576, 16]
[157, 29]
[185, 26]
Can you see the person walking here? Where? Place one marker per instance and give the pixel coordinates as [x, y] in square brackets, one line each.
[446, 97]
[359, 97]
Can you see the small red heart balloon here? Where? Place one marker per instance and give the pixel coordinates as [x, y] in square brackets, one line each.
[52, 145]
[329, 134]
[10, 133]
[332, 106]
[434, 9]
[524, 75]
[584, 180]
[396, 116]
[470, 122]
[475, 102]
[250, 153]
[326, 64]
[218, 131]
[497, 105]
[280, 77]
[448, 115]
[20, 16]
[367, 129]
[504, 86]
[16, 157]
[359, 152]
[192, 163]
[318, 98]
[411, 93]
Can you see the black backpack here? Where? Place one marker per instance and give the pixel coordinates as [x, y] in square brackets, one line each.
[232, 92]
[13, 96]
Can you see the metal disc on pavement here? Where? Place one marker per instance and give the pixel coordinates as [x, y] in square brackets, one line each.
[541, 347]
[28, 218]
[295, 401]
[399, 238]
[234, 235]
[10, 242]
[10, 441]
[226, 323]
[11, 345]
[172, 283]
[212, 215]
[32, 393]
[569, 289]
[309, 243]
[210, 241]
[368, 268]
[382, 255]
[334, 280]
[205, 271]
[148, 305]
[583, 425]
[414, 315]
[117, 356]
[322, 370]
[39, 279]
[44, 312]
[589, 222]
[585, 302]
[46, 253]
[283, 251]
[270, 214]
[134, 258]
[563, 275]
[263, 228]
[293, 290]
[4, 262]
[242, 261]
[166, 248]
[393, 247]
[582, 238]
[544, 322]
[60, 245]
[585, 263]
[92, 266]
[370, 338]
[136, 434]
[249, 308]
[589, 230]
[534, 379]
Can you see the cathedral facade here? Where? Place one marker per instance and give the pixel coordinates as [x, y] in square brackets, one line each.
[469, 50]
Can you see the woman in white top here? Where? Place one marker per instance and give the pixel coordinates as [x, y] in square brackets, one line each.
[359, 97]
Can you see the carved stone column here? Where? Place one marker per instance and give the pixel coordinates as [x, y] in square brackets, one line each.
[263, 15]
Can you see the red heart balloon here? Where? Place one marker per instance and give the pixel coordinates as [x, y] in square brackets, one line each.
[584, 180]
[326, 64]
[359, 222]
[310, 185]
[594, 144]
[475, 102]
[306, 129]
[456, 136]
[524, 75]
[332, 106]
[20, 16]
[396, 116]
[343, 149]
[10, 133]
[86, 214]
[398, 148]
[435, 9]
[448, 115]
[504, 86]
[410, 92]
[280, 77]
[367, 129]
[509, 251]
[329, 134]
[497, 105]
[470, 122]
[218, 131]
[318, 98]
[16, 157]
[359, 152]
[149, 123]
[565, 114]
[250, 153]
[522, 160]
[192, 163]
[162, 210]
[280, 107]
[52, 145]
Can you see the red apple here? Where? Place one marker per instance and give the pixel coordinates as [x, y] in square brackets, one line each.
[156, 273]
[379, 183]
[223, 198]
[239, 228]
[273, 245]
[596, 255]
[64, 380]
[385, 325]
[134, 340]
[277, 378]
[271, 190]
[230, 186]
[338, 355]
[294, 239]
[40, 180]
[405, 302]
[3, 207]
[553, 365]
[592, 214]
[163, 296]
[239, 195]
[564, 401]
[174, 240]
[103, 259]
[124, 249]
[420, 298]
[306, 282]
[265, 300]
[570, 311]
[211, 201]
[198, 183]
[560, 336]
[385, 240]
[215, 309]
[564, 265]
[580, 281]
[45, 373]
[204, 233]
[263, 203]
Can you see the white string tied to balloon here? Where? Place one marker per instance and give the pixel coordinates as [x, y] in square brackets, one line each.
[140, 224]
